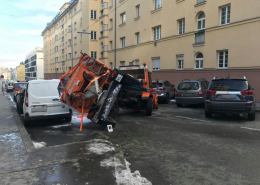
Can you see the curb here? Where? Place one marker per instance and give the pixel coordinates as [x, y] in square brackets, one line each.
[28, 144]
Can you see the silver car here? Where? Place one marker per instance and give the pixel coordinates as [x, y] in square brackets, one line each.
[165, 90]
[191, 92]
[228, 95]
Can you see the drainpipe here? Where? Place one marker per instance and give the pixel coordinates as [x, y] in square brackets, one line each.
[115, 37]
[71, 40]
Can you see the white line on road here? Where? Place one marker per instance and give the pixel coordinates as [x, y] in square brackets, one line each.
[192, 119]
[250, 128]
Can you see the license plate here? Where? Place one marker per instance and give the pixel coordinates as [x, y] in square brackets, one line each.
[189, 95]
[224, 96]
[119, 78]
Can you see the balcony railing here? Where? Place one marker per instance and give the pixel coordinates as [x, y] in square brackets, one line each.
[200, 37]
[201, 1]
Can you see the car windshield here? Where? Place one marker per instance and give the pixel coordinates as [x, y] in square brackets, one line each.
[159, 85]
[188, 86]
[229, 85]
[137, 73]
[22, 86]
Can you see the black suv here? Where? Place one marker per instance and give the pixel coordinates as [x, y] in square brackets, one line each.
[230, 95]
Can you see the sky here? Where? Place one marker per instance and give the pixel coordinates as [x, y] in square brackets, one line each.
[22, 22]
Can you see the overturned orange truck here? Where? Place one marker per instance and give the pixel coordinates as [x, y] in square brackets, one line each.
[98, 92]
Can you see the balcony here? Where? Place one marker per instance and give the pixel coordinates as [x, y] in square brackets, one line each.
[199, 38]
[63, 51]
[63, 63]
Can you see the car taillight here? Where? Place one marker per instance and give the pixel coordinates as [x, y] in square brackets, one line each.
[176, 93]
[26, 99]
[208, 103]
[248, 92]
[249, 104]
[161, 88]
[210, 92]
[200, 92]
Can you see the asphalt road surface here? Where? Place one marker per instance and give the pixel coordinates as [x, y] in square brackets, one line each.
[174, 145]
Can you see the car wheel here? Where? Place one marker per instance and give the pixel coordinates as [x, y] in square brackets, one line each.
[68, 118]
[26, 123]
[251, 117]
[167, 99]
[149, 107]
[208, 114]
[179, 105]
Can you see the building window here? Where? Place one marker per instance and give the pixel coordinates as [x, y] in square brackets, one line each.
[93, 14]
[138, 11]
[75, 55]
[156, 64]
[181, 26]
[69, 56]
[157, 4]
[69, 29]
[122, 63]
[69, 42]
[225, 15]
[157, 33]
[56, 37]
[111, 45]
[75, 40]
[111, 65]
[75, 10]
[111, 23]
[123, 42]
[201, 21]
[57, 59]
[199, 61]
[137, 62]
[180, 62]
[123, 18]
[75, 25]
[137, 35]
[56, 48]
[223, 59]
[94, 54]
[93, 35]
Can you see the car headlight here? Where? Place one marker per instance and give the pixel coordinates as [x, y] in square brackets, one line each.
[162, 94]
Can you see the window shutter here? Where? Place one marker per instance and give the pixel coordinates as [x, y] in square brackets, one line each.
[156, 64]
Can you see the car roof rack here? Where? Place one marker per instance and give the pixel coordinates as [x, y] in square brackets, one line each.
[215, 77]
[185, 80]
[245, 77]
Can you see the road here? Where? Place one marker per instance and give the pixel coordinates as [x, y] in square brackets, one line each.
[174, 145]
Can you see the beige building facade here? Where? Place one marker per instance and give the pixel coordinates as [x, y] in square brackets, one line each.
[189, 39]
[62, 42]
[20, 71]
[178, 39]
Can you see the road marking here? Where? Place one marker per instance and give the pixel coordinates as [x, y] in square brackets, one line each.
[250, 128]
[192, 119]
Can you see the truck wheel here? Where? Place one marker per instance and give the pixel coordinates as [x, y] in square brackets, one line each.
[251, 117]
[149, 107]
[208, 114]
[68, 118]
[179, 105]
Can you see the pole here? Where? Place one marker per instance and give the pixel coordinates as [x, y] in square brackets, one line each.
[115, 36]
[71, 40]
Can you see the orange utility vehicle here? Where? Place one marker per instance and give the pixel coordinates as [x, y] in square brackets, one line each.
[98, 91]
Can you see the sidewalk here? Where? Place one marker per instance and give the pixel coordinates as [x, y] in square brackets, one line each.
[95, 161]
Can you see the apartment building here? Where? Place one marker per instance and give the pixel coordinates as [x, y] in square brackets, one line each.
[20, 71]
[34, 64]
[188, 39]
[63, 40]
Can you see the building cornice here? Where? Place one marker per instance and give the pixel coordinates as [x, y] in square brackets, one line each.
[51, 24]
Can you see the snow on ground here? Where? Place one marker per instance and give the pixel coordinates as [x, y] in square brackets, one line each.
[173, 100]
[58, 126]
[100, 148]
[124, 176]
[39, 145]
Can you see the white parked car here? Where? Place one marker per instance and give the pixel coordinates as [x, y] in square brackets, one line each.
[9, 86]
[41, 101]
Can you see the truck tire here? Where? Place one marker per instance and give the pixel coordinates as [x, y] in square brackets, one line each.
[149, 107]
[208, 114]
[251, 117]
